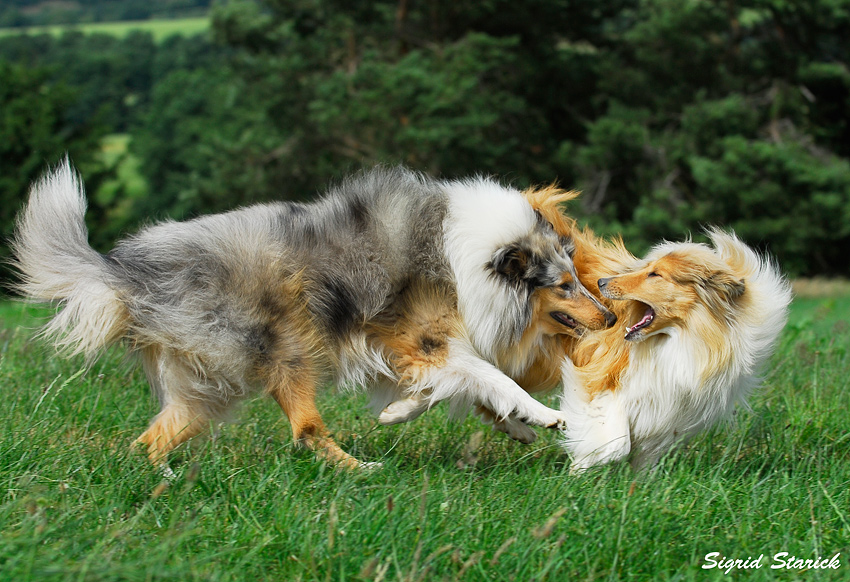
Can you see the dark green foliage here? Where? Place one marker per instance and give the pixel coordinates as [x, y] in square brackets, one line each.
[40, 12]
[109, 78]
[35, 129]
[201, 147]
[668, 115]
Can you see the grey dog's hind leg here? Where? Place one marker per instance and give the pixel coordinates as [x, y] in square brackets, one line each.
[188, 405]
[295, 392]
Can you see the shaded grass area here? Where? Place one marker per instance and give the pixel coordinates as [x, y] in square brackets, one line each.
[453, 501]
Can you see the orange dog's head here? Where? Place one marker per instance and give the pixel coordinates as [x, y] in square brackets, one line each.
[674, 281]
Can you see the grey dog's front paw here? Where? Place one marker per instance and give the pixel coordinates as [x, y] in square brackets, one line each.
[545, 417]
[402, 411]
[560, 424]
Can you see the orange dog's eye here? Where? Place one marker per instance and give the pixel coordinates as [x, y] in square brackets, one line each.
[653, 274]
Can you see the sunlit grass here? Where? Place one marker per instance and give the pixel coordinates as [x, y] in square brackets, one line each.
[450, 502]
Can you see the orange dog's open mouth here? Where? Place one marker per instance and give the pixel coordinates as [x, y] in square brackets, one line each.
[645, 321]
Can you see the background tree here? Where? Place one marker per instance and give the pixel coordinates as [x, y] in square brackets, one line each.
[669, 115]
[34, 129]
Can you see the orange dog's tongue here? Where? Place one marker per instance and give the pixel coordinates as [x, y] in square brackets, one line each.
[647, 318]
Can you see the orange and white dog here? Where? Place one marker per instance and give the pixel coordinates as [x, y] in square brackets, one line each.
[695, 325]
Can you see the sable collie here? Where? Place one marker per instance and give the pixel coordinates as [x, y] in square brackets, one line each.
[270, 297]
[698, 322]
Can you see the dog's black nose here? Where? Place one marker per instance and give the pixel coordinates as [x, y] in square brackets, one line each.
[602, 283]
[610, 319]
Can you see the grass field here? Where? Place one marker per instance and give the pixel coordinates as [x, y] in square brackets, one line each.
[159, 29]
[453, 501]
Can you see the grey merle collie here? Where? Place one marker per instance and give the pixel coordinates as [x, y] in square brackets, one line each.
[392, 280]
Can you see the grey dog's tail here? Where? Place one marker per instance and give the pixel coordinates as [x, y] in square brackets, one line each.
[56, 264]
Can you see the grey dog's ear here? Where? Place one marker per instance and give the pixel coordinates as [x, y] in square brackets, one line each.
[510, 261]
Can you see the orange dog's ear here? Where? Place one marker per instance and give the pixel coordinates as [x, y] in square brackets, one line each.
[725, 283]
[547, 201]
[714, 284]
[719, 289]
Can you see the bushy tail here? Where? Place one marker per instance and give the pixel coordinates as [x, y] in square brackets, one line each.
[761, 324]
[56, 264]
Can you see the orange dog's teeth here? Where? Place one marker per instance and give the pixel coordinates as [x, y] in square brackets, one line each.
[646, 319]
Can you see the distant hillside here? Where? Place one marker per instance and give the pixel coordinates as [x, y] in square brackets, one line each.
[26, 13]
[159, 28]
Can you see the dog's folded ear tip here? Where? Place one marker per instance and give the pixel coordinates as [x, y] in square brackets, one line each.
[510, 260]
[727, 283]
